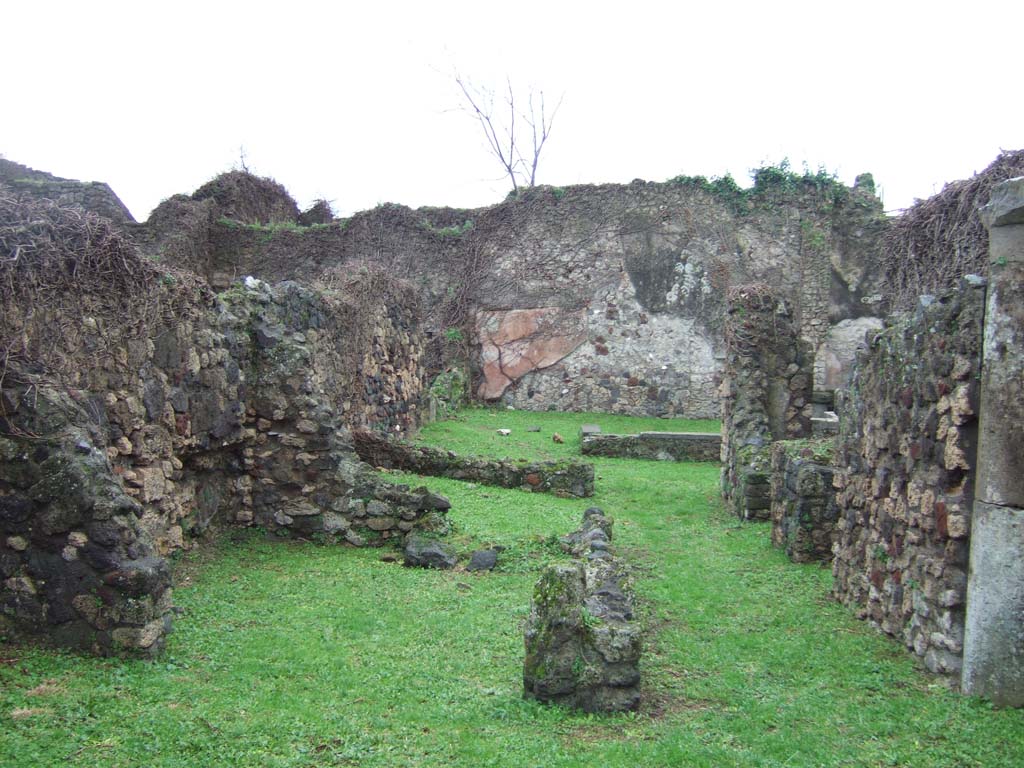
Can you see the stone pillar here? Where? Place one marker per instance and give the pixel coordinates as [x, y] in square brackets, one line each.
[766, 394]
[994, 640]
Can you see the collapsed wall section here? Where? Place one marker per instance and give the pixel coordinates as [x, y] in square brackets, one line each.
[93, 196]
[905, 469]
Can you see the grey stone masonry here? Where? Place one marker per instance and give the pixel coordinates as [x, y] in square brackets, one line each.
[231, 415]
[660, 446]
[582, 638]
[565, 477]
[804, 511]
[993, 664]
[766, 394]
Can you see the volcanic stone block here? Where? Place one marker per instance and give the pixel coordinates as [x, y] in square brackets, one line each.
[582, 645]
[425, 552]
[803, 505]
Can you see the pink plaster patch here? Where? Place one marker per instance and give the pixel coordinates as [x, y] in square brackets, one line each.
[517, 341]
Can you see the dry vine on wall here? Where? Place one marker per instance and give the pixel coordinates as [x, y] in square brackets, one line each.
[66, 274]
[939, 240]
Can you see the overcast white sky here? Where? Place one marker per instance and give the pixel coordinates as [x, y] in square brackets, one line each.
[357, 105]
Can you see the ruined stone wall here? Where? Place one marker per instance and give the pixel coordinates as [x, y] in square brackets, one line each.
[582, 638]
[657, 446]
[606, 297]
[804, 510]
[566, 477]
[77, 563]
[120, 439]
[766, 395]
[905, 468]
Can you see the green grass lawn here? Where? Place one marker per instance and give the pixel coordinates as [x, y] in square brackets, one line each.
[294, 654]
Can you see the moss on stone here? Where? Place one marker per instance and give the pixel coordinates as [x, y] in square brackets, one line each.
[818, 450]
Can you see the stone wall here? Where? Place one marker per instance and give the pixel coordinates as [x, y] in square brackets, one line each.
[606, 297]
[766, 395]
[803, 503]
[658, 446]
[382, 374]
[905, 468]
[564, 478]
[76, 561]
[130, 425]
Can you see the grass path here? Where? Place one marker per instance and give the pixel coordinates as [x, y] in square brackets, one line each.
[293, 654]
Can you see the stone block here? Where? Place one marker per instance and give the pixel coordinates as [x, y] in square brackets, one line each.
[582, 646]
[425, 552]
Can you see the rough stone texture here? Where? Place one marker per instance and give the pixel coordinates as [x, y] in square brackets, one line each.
[804, 510]
[637, 272]
[766, 395]
[76, 564]
[483, 560]
[751, 494]
[593, 538]
[582, 639]
[905, 459]
[566, 478]
[659, 446]
[426, 552]
[994, 638]
[235, 414]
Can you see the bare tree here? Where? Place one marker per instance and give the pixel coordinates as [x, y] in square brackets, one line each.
[505, 126]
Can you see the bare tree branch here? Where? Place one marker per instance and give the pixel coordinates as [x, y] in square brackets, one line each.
[521, 169]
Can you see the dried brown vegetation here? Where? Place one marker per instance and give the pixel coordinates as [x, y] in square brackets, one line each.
[66, 273]
[939, 240]
[248, 198]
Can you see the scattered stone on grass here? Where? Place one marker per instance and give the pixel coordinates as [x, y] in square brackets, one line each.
[483, 560]
[424, 552]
